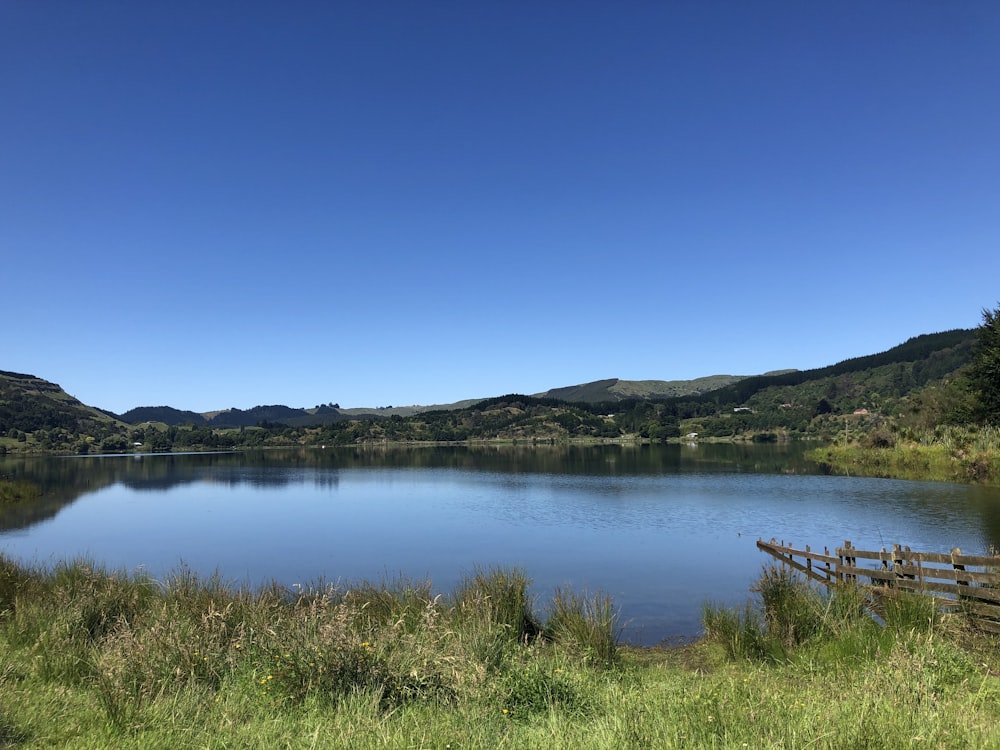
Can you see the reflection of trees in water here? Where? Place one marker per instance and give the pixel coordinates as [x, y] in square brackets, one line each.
[600, 460]
[62, 480]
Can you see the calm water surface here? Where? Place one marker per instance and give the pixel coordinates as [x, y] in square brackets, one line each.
[663, 529]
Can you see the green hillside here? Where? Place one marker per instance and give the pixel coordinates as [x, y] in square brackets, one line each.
[37, 414]
[913, 382]
[938, 355]
[613, 389]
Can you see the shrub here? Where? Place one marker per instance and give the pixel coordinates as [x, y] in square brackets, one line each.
[879, 438]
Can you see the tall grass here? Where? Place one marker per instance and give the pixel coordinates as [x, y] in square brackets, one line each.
[586, 624]
[136, 641]
[790, 612]
[93, 658]
[500, 595]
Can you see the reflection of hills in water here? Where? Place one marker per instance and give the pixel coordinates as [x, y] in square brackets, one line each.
[63, 480]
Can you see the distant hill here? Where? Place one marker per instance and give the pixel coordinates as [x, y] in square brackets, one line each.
[276, 414]
[613, 389]
[256, 415]
[406, 411]
[165, 414]
[41, 414]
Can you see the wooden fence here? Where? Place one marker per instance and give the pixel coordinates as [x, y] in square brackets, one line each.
[957, 582]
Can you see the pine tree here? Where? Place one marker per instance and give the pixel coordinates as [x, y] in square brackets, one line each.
[984, 372]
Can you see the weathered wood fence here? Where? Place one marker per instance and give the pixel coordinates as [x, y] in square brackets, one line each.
[957, 582]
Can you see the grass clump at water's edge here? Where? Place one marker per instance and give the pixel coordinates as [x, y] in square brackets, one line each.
[101, 659]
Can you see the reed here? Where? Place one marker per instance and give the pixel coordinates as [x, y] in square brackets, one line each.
[586, 624]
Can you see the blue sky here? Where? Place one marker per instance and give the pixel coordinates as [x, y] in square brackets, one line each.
[225, 204]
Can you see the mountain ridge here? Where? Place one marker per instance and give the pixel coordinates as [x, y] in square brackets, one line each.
[18, 390]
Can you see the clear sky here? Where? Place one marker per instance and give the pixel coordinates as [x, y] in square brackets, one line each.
[224, 204]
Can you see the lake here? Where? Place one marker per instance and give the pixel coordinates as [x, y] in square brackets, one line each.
[661, 528]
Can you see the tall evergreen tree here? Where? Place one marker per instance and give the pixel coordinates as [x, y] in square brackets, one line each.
[984, 372]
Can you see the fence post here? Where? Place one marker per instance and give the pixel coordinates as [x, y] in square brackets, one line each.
[956, 566]
[850, 561]
[897, 561]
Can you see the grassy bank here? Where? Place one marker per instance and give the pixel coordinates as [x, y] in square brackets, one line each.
[95, 659]
[946, 454]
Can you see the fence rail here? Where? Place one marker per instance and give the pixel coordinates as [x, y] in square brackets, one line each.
[957, 582]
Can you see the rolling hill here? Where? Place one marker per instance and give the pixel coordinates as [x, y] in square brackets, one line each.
[56, 421]
[29, 403]
[613, 389]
